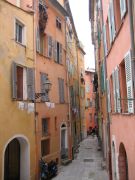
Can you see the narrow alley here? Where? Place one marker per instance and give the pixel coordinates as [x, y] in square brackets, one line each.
[87, 165]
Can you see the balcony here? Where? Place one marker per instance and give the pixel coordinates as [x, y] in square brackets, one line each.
[43, 16]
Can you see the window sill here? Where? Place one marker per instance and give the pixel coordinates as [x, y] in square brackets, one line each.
[45, 137]
[23, 45]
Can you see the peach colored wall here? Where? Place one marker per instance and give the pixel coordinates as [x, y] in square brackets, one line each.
[123, 128]
[24, 4]
[88, 80]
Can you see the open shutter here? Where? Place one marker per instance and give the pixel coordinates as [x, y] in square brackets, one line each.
[110, 29]
[113, 19]
[38, 41]
[129, 82]
[123, 8]
[108, 96]
[55, 51]
[62, 89]
[114, 90]
[60, 53]
[50, 45]
[45, 97]
[30, 84]
[105, 41]
[14, 81]
[118, 104]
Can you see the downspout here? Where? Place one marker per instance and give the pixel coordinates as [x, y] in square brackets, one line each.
[108, 115]
[130, 5]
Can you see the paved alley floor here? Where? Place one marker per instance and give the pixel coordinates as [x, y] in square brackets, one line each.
[87, 165]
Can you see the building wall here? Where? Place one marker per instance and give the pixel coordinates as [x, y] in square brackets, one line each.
[14, 121]
[90, 121]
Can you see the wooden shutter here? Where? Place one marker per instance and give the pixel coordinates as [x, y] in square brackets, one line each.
[123, 8]
[55, 51]
[109, 20]
[60, 53]
[50, 45]
[118, 104]
[38, 41]
[114, 90]
[105, 41]
[108, 96]
[129, 82]
[45, 97]
[30, 84]
[112, 19]
[61, 90]
[14, 80]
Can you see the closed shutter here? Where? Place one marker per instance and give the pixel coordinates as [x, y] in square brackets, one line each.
[105, 41]
[108, 96]
[55, 51]
[44, 97]
[123, 8]
[14, 81]
[129, 82]
[118, 102]
[60, 53]
[38, 41]
[50, 45]
[109, 20]
[112, 19]
[30, 84]
[61, 90]
[114, 90]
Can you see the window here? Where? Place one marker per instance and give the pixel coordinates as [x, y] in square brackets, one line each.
[105, 41]
[45, 147]
[22, 82]
[55, 123]
[61, 90]
[90, 117]
[87, 88]
[91, 102]
[58, 23]
[58, 52]
[45, 126]
[50, 46]
[19, 32]
[43, 77]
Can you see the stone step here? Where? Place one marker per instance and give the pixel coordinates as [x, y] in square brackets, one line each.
[65, 162]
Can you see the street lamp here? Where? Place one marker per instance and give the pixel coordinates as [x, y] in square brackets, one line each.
[47, 88]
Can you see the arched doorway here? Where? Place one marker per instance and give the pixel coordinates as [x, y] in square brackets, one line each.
[64, 142]
[12, 161]
[16, 159]
[123, 163]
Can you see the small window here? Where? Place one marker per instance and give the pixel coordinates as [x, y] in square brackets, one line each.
[45, 147]
[19, 32]
[45, 127]
[58, 23]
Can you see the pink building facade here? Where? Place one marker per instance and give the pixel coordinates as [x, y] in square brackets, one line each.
[117, 34]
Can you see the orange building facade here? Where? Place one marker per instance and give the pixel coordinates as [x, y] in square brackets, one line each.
[90, 116]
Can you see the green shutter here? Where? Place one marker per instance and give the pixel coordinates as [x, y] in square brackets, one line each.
[30, 84]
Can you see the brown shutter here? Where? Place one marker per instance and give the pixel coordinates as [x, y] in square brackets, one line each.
[30, 84]
[14, 81]
[55, 51]
[60, 53]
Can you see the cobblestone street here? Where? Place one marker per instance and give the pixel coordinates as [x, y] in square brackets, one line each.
[87, 165]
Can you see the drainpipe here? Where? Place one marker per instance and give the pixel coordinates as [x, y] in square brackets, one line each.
[108, 115]
[130, 5]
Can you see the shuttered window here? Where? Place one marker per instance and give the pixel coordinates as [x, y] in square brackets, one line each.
[22, 82]
[58, 52]
[50, 46]
[105, 40]
[123, 8]
[38, 41]
[129, 82]
[111, 21]
[61, 90]
[30, 84]
[108, 96]
[117, 86]
[43, 78]
[114, 90]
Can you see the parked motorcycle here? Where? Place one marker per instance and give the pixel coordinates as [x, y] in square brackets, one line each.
[53, 169]
[44, 170]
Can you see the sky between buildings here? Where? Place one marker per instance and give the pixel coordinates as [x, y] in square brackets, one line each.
[80, 11]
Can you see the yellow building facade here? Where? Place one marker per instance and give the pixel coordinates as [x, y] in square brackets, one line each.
[17, 129]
